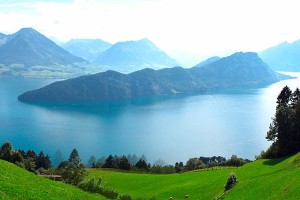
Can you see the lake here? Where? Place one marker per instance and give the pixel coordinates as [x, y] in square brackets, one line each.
[168, 128]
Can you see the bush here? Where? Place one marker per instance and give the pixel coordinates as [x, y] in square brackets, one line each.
[95, 186]
[125, 197]
[91, 185]
[110, 193]
[231, 181]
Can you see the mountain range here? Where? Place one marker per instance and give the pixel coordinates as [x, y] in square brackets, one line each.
[283, 57]
[28, 52]
[130, 56]
[89, 49]
[237, 70]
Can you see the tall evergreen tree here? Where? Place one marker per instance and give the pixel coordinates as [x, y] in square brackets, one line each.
[109, 162]
[43, 161]
[74, 157]
[73, 171]
[284, 130]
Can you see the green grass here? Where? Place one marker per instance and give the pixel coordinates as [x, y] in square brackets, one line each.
[16, 183]
[198, 185]
[262, 179]
[268, 179]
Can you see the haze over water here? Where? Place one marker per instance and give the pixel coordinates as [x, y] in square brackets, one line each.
[169, 128]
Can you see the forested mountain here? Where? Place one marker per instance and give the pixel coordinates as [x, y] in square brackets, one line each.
[130, 56]
[237, 70]
[89, 49]
[283, 57]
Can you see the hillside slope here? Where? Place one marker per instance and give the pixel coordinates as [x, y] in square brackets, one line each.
[275, 179]
[268, 179]
[17, 183]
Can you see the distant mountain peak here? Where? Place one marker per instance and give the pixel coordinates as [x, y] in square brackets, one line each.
[29, 48]
[89, 49]
[28, 32]
[283, 57]
[129, 56]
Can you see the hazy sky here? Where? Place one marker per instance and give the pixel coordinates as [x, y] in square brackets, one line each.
[188, 30]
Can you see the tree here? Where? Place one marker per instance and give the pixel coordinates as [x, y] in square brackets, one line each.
[6, 151]
[109, 162]
[124, 163]
[179, 167]
[231, 181]
[193, 163]
[141, 164]
[284, 97]
[235, 161]
[92, 161]
[30, 154]
[43, 161]
[74, 157]
[73, 171]
[284, 129]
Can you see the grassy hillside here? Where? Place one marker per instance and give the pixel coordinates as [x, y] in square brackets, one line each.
[198, 185]
[268, 179]
[16, 183]
[263, 179]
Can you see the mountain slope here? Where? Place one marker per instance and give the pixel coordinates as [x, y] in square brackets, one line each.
[30, 48]
[237, 70]
[283, 57]
[134, 55]
[208, 61]
[17, 183]
[89, 49]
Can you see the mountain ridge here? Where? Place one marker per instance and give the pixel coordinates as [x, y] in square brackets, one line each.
[237, 70]
[31, 48]
[283, 57]
[89, 49]
[134, 55]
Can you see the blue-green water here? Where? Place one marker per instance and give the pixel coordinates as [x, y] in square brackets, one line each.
[167, 128]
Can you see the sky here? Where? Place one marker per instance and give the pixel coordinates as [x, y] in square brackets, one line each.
[187, 30]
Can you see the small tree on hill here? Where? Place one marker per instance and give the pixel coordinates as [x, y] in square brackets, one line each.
[231, 181]
[73, 171]
[6, 151]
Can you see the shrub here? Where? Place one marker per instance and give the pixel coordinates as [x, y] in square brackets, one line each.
[125, 197]
[231, 181]
[91, 185]
[110, 193]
